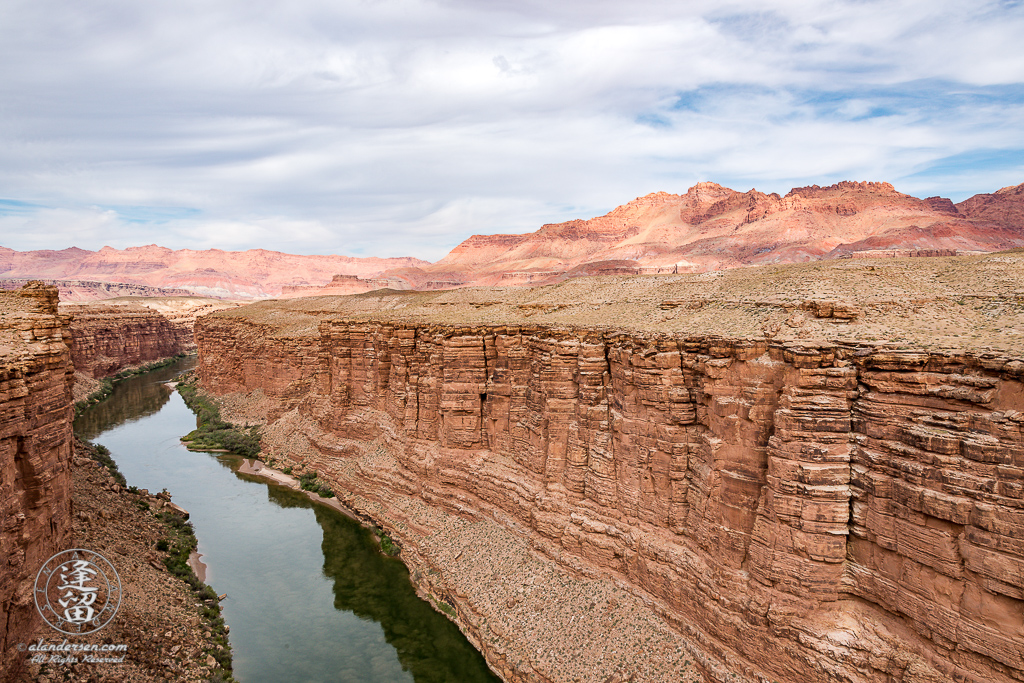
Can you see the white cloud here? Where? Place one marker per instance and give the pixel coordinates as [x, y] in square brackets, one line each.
[377, 127]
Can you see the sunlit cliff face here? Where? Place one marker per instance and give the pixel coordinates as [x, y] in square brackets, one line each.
[793, 508]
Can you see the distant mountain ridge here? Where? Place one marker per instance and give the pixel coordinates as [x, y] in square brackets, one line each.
[713, 227]
[256, 273]
[710, 227]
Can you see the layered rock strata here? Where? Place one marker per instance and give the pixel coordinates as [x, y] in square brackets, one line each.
[801, 511]
[158, 618]
[35, 449]
[109, 338]
[741, 458]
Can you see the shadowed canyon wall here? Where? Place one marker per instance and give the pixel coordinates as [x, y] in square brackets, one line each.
[802, 512]
[108, 338]
[35, 449]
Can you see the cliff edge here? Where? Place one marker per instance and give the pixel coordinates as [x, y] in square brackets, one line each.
[810, 472]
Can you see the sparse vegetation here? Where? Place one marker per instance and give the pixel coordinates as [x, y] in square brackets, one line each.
[446, 608]
[107, 383]
[101, 454]
[213, 433]
[387, 546]
[310, 482]
[179, 544]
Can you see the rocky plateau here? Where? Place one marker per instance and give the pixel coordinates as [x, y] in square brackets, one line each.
[782, 473]
[256, 273]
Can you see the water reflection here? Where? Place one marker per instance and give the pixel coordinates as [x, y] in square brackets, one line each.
[377, 588]
[132, 399]
[311, 600]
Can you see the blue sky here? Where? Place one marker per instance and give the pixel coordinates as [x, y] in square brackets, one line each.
[387, 128]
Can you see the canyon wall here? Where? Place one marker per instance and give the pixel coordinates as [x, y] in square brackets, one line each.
[798, 511]
[108, 338]
[35, 449]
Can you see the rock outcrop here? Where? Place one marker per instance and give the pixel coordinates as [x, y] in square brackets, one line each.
[92, 290]
[110, 338]
[35, 452]
[796, 509]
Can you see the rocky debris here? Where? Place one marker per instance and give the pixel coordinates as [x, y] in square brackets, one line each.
[35, 453]
[836, 310]
[160, 618]
[794, 509]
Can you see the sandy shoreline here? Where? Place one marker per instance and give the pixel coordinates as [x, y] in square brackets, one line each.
[198, 566]
[260, 469]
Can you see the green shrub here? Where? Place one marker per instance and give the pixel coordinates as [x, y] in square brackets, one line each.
[107, 383]
[213, 432]
[387, 546]
[446, 608]
[310, 482]
[182, 541]
[101, 454]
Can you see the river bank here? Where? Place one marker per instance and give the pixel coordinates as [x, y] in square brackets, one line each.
[309, 595]
[592, 628]
[261, 469]
[161, 620]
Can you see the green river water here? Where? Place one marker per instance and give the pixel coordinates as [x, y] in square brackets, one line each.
[310, 598]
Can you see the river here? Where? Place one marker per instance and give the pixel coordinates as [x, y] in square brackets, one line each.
[310, 598]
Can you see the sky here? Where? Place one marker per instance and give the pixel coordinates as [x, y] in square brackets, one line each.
[399, 128]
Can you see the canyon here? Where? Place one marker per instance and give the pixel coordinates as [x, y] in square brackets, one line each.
[708, 228]
[129, 332]
[50, 355]
[108, 339]
[782, 473]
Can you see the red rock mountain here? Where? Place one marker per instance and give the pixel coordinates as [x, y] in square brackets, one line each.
[709, 228]
[713, 227]
[256, 273]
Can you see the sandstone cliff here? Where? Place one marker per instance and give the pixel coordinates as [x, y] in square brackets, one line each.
[35, 449]
[110, 338]
[797, 504]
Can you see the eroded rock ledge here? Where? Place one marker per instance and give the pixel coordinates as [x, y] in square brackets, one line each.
[109, 338]
[796, 511]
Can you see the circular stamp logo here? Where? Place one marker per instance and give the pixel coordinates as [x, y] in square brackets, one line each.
[77, 591]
